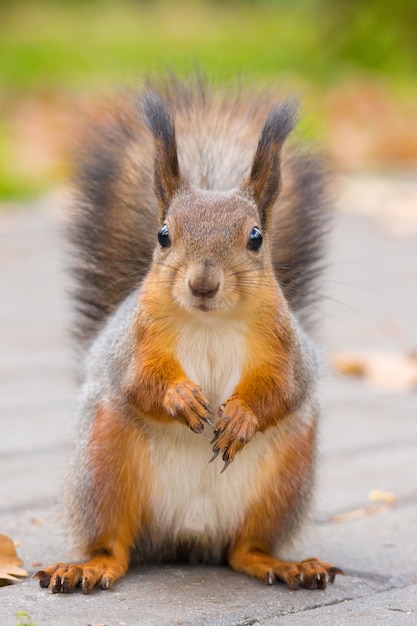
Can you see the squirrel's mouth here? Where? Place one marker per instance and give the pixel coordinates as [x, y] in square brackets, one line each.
[203, 304]
[204, 307]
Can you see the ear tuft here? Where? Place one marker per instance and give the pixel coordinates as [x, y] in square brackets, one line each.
[280, 121]
[158, 118]
[265, 177]
[160, 122]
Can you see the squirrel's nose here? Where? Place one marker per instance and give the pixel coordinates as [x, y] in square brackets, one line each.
[202, 288]
[204, 282]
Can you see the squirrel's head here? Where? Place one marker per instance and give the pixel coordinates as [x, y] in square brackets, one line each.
[213, 248]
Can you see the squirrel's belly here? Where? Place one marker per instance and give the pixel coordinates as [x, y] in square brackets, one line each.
[191, 500]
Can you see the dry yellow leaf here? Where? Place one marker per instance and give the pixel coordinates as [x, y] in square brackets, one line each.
[382, 496]
[386, 371]
[9, 562]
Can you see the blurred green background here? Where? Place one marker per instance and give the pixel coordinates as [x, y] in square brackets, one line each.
[354, 62]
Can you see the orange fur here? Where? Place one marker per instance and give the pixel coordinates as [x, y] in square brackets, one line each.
[286, 478]
[117, 509]
[268, 389]
[156, 384]
[268, 382]
[116, 446]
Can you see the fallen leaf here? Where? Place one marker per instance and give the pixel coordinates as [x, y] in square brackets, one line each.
[386, 371]
[9, 562]
[382, 496]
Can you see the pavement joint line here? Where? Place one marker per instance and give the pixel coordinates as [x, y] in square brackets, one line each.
[354, 599]
[402, 610]
[315, 607]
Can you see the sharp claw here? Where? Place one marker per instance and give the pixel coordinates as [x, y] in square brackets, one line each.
[271, 578]
[332, 572]
[196, 429]
[56, 584]
[43, 578]
[226, 465]
[105, 582]
[207, 419]
[322, 581]
[66, 586]
[215, 455]
[85, 586]
[226, 456]
[216, 436]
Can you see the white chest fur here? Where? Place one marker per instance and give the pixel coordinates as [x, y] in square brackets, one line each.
[211, 354]
[191, 499]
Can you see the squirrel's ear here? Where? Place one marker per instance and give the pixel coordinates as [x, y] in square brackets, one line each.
[166, 170]
[264, 180]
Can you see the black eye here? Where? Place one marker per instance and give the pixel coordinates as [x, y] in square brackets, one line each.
[163, 237]
[255, 239]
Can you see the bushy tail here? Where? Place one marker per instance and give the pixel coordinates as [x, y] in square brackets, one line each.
[114, 213]
[301, 226]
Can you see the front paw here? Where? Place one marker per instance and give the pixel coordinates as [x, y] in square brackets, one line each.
[236, 426]
[185, 402]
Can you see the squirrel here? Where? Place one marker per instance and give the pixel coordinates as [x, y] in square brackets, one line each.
[197, 245]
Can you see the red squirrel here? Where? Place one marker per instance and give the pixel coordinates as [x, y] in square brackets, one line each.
[197, 246]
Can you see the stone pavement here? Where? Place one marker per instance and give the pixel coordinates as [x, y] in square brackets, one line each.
[368, 438]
